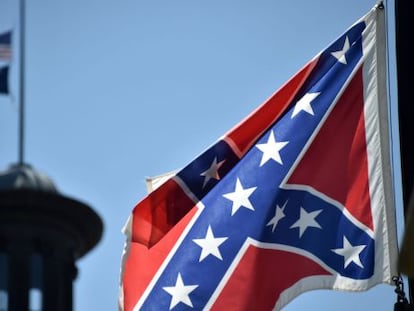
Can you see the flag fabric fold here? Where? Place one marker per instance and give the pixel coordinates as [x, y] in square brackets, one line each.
[296, 197]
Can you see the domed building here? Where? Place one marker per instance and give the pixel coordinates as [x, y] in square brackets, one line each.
[42, 234]
[24, 176]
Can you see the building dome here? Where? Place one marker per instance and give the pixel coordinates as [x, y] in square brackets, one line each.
[42, 235]
[24, 176]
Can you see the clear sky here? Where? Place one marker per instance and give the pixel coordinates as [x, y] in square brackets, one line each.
[120, 90]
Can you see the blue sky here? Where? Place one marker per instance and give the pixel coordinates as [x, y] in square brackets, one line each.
[120, 90]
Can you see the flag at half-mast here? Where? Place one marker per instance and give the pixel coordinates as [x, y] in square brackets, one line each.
[298, 196]
[5, 47]
[4, 80]
[5, 58]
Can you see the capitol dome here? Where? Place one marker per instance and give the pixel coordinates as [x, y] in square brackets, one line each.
[24, 176]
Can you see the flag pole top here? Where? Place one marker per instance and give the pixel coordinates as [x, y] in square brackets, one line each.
[380, 5]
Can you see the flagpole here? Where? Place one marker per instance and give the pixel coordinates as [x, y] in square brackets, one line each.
[404, 24]
[21, 82]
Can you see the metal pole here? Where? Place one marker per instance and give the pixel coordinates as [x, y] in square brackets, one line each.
[404, 28]
[21, 82]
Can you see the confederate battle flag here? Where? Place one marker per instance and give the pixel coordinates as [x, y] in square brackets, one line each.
[296, 197]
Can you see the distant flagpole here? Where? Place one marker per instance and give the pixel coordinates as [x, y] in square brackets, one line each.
[21, 82]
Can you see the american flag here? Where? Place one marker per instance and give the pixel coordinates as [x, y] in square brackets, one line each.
[5, 46]
[296, 197]
[4, 80]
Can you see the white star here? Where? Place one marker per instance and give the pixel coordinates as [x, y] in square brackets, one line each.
[180, 292]
[304, 104]
[340, 55]
[212, 171]
[271, 149]
[279, 214]
[209, 245]
[350, 253]
[240, 197]
[306, 220]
